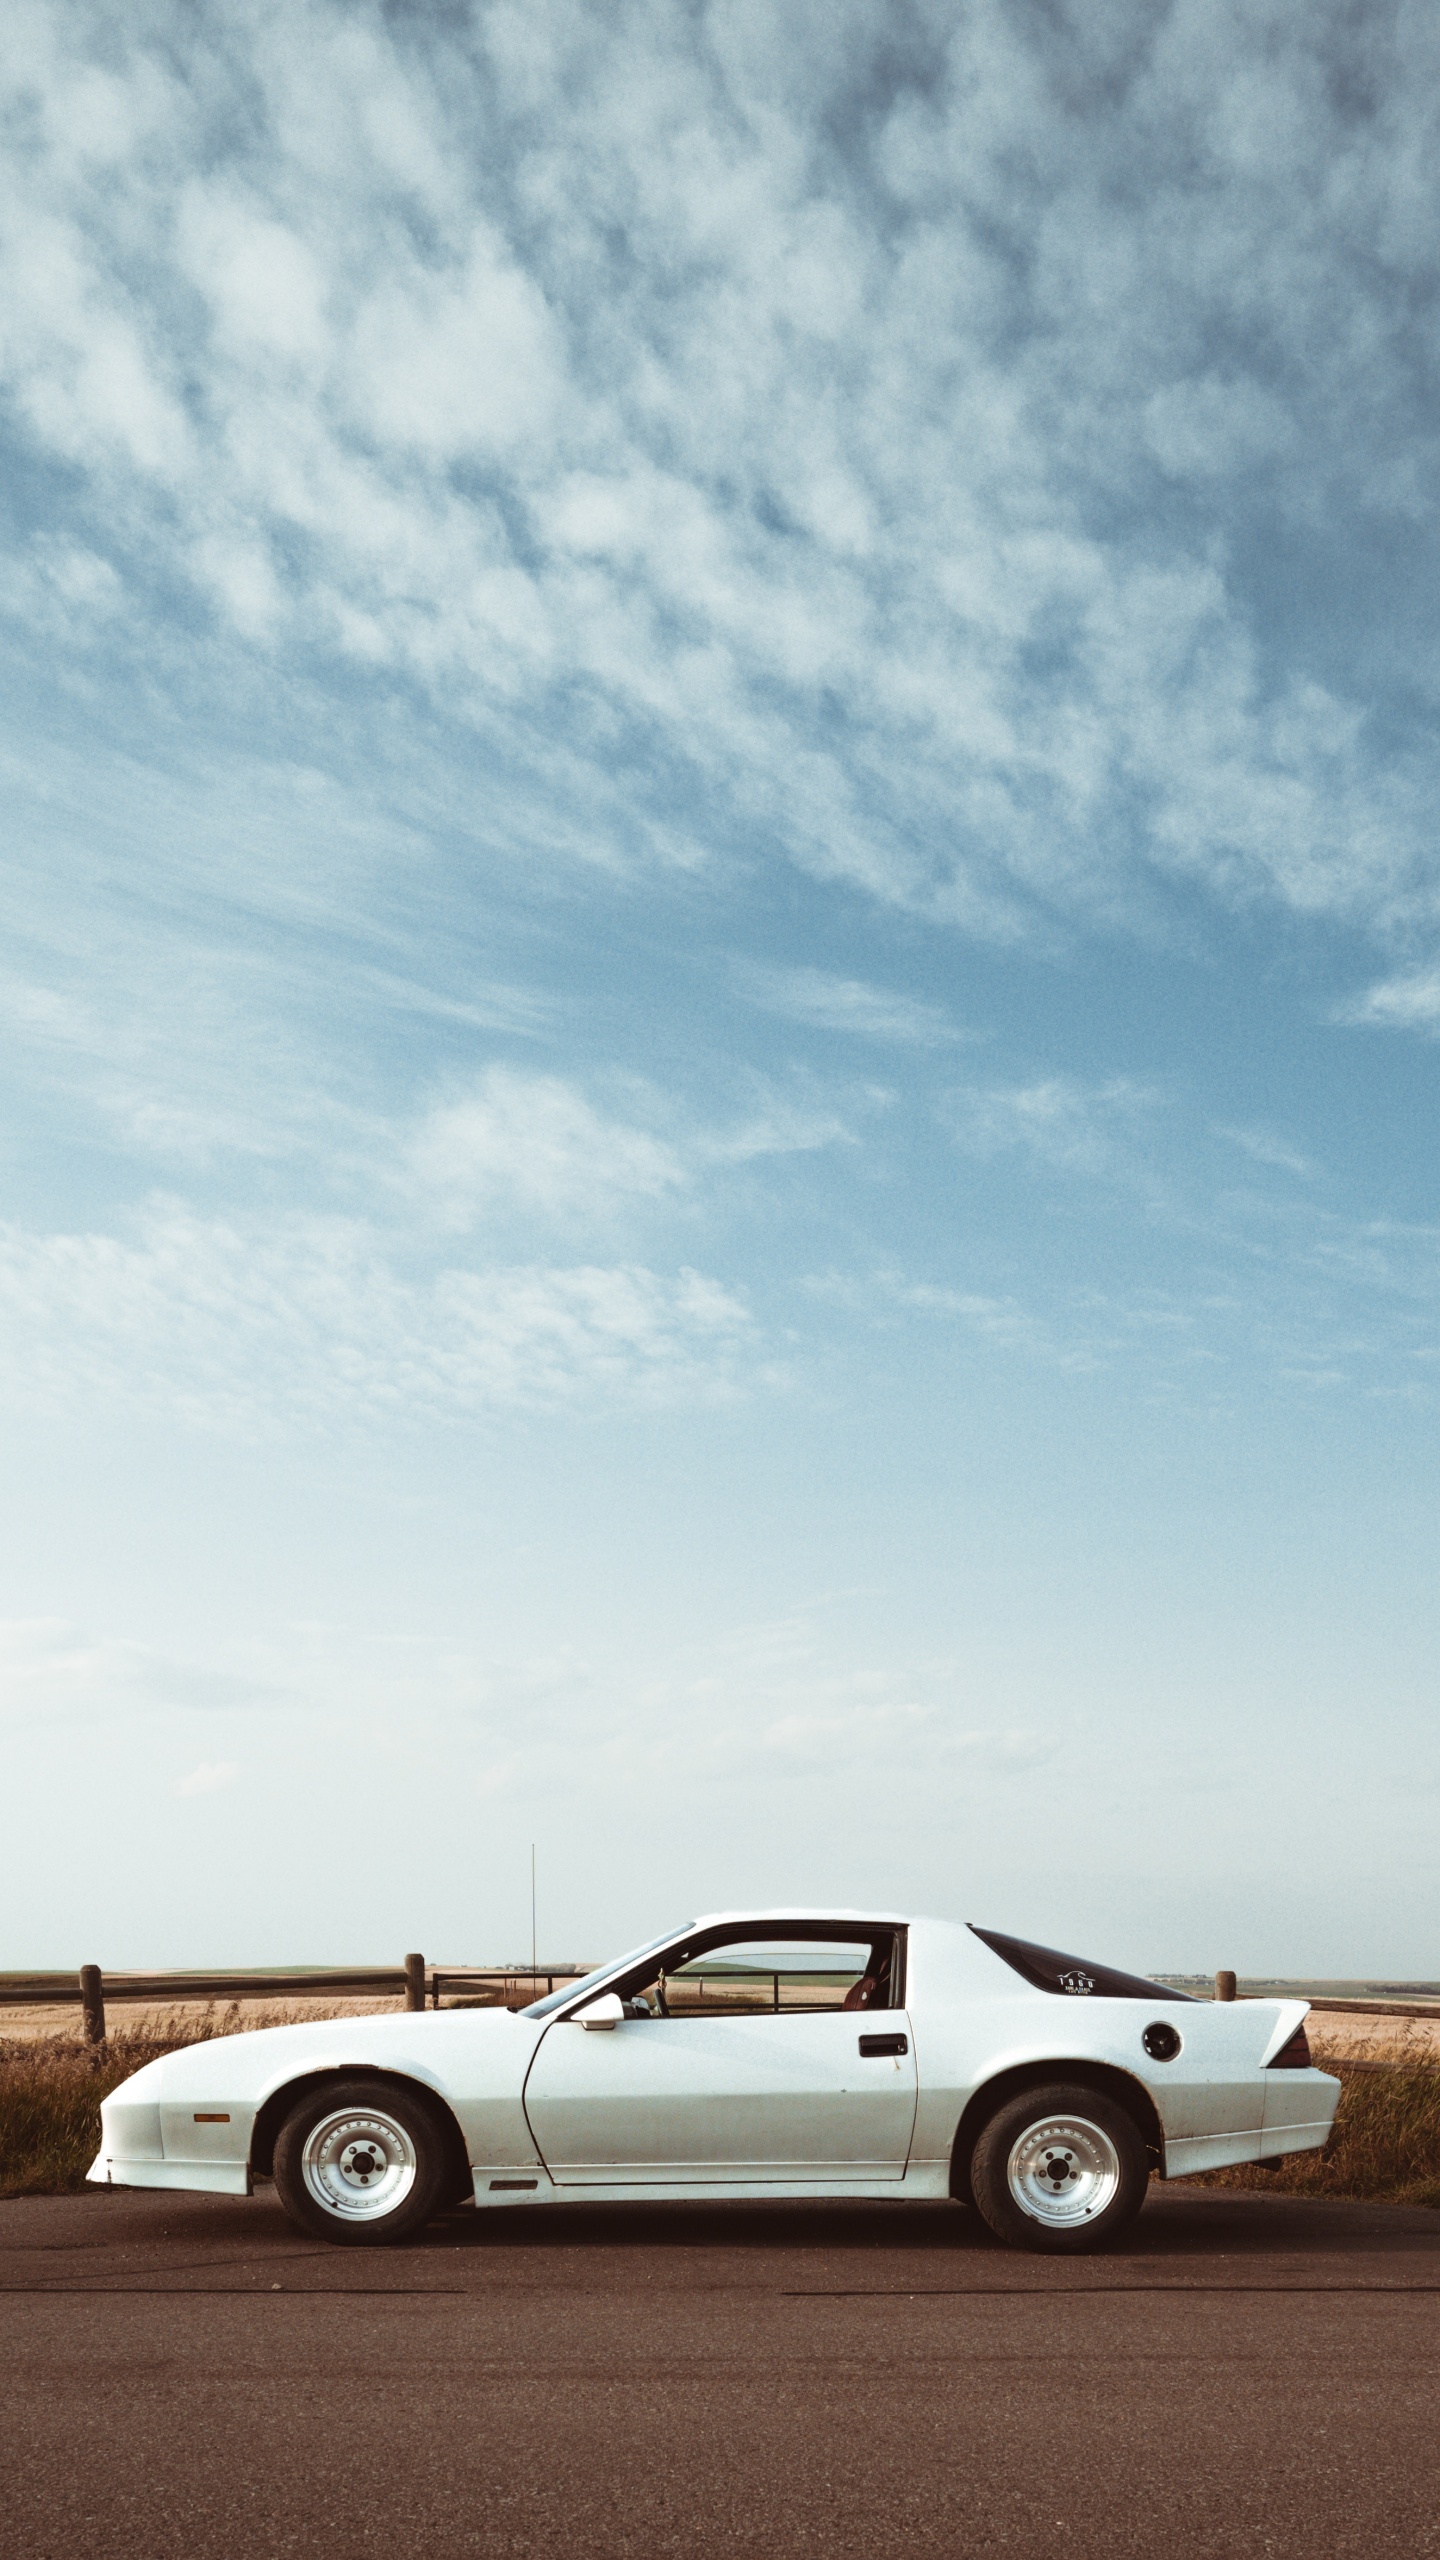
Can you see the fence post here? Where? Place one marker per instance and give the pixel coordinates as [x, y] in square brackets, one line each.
[92, 2003]
[1224, 1986]
[414, 1982]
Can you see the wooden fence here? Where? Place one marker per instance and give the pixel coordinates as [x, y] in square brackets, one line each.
[421, 1985]
[1379, 2007]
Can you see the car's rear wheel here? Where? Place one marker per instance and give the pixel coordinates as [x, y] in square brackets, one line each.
[361, 2162]
[1060, 2168]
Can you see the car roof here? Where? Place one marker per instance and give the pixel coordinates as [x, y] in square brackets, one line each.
[772, 1914]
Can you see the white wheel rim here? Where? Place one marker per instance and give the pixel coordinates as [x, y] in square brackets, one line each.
[358, 2164]
[1063, 2170]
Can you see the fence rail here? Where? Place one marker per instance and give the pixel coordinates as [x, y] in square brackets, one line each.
[1226, 1989]
[421, 1985]
[1381, 2008]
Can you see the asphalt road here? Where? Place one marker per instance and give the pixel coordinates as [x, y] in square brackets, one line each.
[186, 2376]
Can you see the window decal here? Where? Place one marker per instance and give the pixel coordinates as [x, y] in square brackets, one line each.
[1072, 1977]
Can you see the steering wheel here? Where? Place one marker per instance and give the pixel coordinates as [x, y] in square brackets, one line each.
[661, 2003]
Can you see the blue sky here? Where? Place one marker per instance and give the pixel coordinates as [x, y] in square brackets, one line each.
[721, 976]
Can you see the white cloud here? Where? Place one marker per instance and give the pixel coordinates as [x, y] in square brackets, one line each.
[465, 363]
[880, 1733]
[537, 1144]
[1205, 427]
[763, 1703]
[264, 285]
[44, 1664]
[777, 1129]
[243, 1325]
[1409, 1002]
[1264, 1148]
[208, 1778]
[826, 1002]
[887, 1296]
[1083, 1128]
[537, 1141]
[48, 1667]
[772, 431]
[1002, 1321]
[208, 1030]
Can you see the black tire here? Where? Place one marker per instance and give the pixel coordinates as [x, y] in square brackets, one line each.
[1060, 2168]
[362, 2162]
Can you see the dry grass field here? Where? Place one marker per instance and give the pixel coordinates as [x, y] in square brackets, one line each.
[181, 2021]
[1370, 2037]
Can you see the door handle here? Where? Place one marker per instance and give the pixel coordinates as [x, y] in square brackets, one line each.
[879, 2045]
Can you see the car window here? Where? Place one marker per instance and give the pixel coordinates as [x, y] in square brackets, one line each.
[1049, 1969]
[749, 1977]
[590, 1982]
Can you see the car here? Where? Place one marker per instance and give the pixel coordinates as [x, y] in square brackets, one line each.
[786, 2054]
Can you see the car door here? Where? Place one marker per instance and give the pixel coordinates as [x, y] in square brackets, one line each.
[740, 2065]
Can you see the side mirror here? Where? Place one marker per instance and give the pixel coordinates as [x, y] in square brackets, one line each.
[607, 2011]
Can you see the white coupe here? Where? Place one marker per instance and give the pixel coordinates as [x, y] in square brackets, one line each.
[752, 2054]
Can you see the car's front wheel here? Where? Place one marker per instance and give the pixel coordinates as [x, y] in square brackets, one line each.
[360, 2162]
[1061, 2168]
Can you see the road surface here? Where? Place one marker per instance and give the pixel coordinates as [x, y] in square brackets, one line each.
[184, 2376]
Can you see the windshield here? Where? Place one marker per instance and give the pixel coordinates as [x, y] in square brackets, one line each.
[568, 1991]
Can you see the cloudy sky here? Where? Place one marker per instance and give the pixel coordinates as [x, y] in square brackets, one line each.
[720, 976]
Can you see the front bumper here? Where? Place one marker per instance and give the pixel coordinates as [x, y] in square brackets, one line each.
[205, 2177]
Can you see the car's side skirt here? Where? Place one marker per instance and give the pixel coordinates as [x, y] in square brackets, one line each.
[1194, 2153]
[924, 2182]
[1278, 2139]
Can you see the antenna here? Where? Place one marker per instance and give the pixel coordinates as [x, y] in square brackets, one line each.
[534, 1959]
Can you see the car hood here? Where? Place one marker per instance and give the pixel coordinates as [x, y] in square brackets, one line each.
[424, 2044]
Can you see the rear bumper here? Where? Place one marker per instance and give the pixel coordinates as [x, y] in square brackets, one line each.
[202, 2177]
[1298, 2108]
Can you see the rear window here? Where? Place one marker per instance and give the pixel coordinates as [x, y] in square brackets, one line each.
[1049, 1970]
